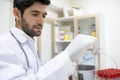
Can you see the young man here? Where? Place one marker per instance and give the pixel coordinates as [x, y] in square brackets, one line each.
[18, 56]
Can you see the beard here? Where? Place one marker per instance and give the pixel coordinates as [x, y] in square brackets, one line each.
[29, 30]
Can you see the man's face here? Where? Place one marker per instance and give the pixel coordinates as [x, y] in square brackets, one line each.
[32, 19]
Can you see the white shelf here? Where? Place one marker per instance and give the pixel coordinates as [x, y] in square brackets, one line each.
[54, 8]
[70, 18]
[61, 41]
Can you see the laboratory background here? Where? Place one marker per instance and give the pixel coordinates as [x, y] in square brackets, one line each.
[66, 19]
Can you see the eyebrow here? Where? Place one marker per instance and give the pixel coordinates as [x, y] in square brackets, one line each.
[35, 11]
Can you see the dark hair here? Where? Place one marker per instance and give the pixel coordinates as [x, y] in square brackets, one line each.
[23, 4]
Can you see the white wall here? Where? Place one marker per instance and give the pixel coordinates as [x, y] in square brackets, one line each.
[4, 16]
[12, 19]
[109, 28]
[46, 43]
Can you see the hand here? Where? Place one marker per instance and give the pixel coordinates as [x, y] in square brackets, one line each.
[80, 44]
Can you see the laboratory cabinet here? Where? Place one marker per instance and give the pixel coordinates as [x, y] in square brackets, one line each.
[67, 28]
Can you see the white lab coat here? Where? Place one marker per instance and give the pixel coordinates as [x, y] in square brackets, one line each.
[13, 65]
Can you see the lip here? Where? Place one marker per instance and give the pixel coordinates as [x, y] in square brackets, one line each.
[38, 27]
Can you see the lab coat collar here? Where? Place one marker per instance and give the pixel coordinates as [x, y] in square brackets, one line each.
[21, 36]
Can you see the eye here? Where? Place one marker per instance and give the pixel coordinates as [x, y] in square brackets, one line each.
[44, 16]
[35, 14]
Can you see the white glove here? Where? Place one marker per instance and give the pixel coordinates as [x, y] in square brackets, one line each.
[81, 44]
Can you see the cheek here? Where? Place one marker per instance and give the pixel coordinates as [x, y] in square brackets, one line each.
[31, 21]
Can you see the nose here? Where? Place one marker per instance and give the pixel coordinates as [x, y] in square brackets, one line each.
[40, 20]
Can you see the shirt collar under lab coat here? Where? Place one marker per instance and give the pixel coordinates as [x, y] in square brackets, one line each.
[21, 36]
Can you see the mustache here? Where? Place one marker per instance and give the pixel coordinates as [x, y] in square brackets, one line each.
[38, 25]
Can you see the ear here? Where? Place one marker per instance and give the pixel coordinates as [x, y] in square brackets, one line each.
[17, 13]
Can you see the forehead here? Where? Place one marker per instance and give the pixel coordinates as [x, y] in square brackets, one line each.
[38, 7]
